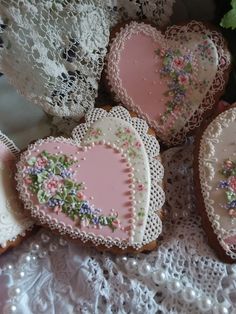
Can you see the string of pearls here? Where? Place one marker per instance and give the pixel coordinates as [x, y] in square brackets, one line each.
[46, 246]
[38, 250]
[175, 287]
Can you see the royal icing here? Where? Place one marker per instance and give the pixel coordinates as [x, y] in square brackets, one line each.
[98, 189]
[13, 221]
[217, 170]
[165, 78]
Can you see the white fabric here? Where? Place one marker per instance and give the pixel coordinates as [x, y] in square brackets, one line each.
[63, 44]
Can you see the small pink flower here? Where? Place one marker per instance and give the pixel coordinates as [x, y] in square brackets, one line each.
[115, 223]
[125, 144]
[183, 79]
[232, 183]
[127, 130]
[232, 212]
[178, 63]
[41, 162]
[53, 184]
[138, 144]
[162, 52]
[57, 209]
[140, 187]
[228, 164]
[81, 196]
[28, 180]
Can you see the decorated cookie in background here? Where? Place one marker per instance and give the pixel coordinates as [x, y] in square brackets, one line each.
[171, 79]
[215, 176]
[14, 223]
[103, 186]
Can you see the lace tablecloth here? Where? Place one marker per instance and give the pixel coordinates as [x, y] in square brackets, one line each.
[46, 274]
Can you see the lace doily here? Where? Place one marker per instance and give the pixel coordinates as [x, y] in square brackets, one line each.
[48, 275]
[63, 44]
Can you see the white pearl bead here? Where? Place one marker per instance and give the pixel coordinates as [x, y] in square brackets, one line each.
[131, 265]
[33, 257]
[159, 277]
[13, 292]
[174, 286]
[220, 309]
[21, 274]
[35, 247]
[13, 308]
[144, 269]
[204, 304]
[9, 267]
[189, 295]
[124, 259]
[27, 258]
[8, 309]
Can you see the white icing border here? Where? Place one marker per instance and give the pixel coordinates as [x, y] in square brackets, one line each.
[10, 145]
[206, 172]
[170, 34]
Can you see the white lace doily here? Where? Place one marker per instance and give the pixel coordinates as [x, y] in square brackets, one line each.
[48, 275]
[52, 51]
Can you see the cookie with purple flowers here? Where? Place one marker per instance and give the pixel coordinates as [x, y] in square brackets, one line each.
[215, 175]
[171, 79]
[101, 187]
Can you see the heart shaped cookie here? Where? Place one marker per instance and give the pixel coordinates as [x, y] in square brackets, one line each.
[13, 221]
[215, 175]
[95, 189]
[169, 79]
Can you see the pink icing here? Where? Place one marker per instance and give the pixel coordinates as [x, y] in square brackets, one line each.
[105, 174]
[230, 240]
[139, 69]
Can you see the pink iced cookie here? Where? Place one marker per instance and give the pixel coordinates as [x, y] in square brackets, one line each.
[170, 79]
[97, 190]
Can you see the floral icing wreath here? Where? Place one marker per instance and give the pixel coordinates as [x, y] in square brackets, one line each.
[229, 185]
[51, 180]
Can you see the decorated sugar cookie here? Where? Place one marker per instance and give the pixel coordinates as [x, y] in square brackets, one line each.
[103, 186]
[216, 182]
[170, 78]
[13, 220]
